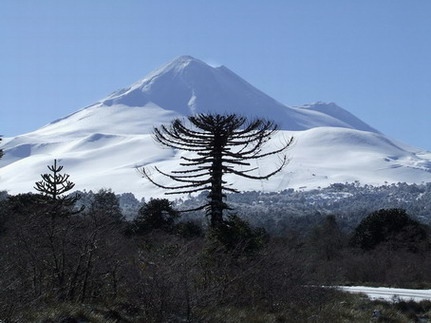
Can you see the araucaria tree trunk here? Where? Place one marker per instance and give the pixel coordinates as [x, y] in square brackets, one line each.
[222, 144]
[216, 173]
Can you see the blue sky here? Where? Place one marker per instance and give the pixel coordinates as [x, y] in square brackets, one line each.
[373, 58]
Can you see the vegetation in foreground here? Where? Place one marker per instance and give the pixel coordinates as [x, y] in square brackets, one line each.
[339, 308]
[60, 265]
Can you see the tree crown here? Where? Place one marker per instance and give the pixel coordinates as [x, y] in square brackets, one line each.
[222, 144]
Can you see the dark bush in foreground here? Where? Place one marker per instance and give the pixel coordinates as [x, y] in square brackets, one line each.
[393, 227]
[237, 234]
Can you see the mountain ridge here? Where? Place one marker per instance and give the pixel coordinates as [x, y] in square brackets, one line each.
[102, 144]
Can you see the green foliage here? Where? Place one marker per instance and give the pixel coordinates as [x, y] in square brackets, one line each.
[21, 205]
[327, 239]
[189, 229]
[27, 205]
[393, 227]
[155, 214]
[75, 312]
[106, 203]
[53, 259]
[82, 268]
[238, 236]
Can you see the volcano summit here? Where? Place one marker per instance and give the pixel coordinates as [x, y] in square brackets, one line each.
[102, 144]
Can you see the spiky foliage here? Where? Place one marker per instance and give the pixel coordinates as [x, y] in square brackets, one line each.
[223, 144]
[55, 184]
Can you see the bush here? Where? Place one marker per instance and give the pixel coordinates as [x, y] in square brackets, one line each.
[156, 214]
[237, 235]
[189, 229]
[394, 227]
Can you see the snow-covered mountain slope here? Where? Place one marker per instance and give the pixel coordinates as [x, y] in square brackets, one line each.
[102, 145]
[187, 86]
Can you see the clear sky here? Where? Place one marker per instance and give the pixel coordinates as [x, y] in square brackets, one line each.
[372, 58]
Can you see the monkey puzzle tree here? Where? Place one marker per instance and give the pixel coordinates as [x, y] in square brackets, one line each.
[55, 185]
[223, 144]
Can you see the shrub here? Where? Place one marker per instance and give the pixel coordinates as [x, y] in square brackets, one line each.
[236, 234]
[394, 227]
[156, 214]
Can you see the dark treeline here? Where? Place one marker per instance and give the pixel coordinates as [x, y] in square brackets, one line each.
[281, 212]
[60, 261]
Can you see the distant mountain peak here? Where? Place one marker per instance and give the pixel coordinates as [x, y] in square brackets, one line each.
[177, 66]
[187, 86]
[333, 110]
[113, 136]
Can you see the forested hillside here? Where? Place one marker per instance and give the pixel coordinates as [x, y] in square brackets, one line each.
[349, 203]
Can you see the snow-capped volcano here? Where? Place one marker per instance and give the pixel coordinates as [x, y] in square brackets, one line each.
[188, 86]
[102, 145]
